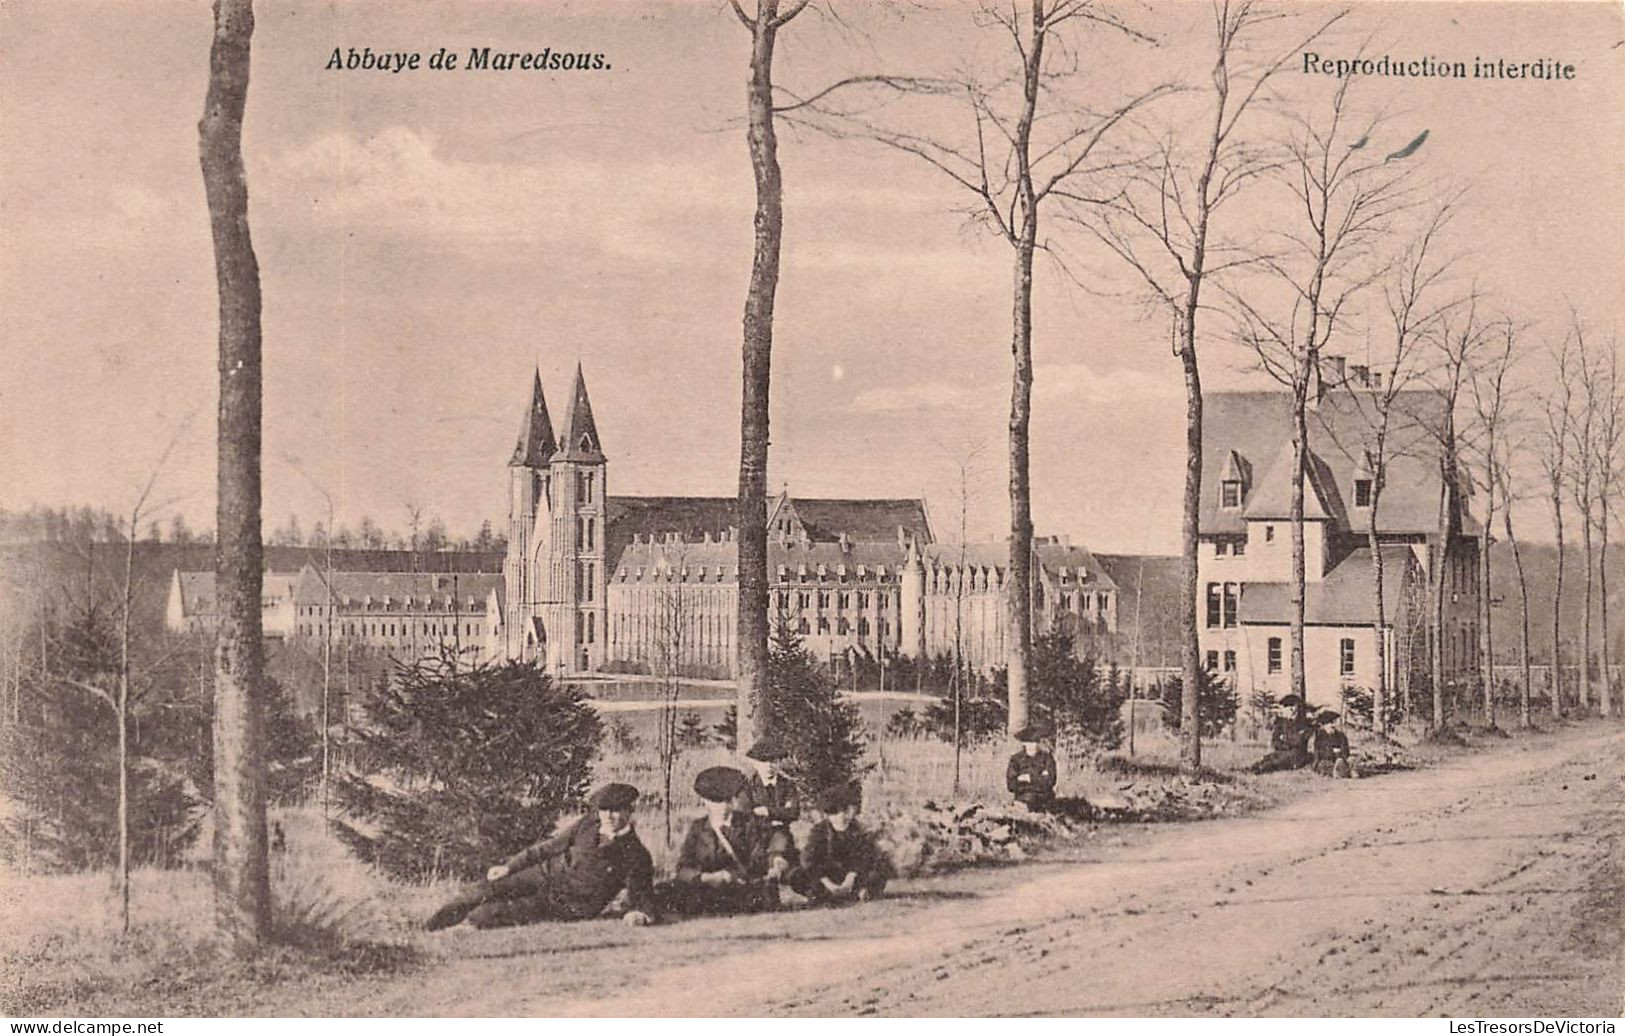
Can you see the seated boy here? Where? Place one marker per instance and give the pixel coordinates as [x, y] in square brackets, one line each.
[715, 872]
[841, 861]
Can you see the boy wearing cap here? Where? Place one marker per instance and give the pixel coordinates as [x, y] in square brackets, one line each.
[1331, 746]
[714, 866]
[773, 804]
[841, 861]
[1030, 777]
[572, 876]
[1289, 740]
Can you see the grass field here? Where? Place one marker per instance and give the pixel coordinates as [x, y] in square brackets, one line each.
[337, 917]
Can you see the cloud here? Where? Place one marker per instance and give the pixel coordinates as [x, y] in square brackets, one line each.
[402, 182]
[1054, 384]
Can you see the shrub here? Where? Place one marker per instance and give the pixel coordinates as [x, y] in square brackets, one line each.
[461, 765]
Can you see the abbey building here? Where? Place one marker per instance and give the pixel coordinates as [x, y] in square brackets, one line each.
[595, 582]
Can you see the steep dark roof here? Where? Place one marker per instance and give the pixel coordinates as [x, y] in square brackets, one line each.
[428, 591]
[1256, 426]
[579, 439]
[1343, 597]
[695, 517]
[868, 520]
[1273, 496]
[536, 445]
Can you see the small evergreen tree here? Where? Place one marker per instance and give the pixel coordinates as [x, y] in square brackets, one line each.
[461, 765]
[823, 731]
[1216, 703]
[59, 760]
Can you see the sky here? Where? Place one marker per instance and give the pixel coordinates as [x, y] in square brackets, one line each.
[428, 239]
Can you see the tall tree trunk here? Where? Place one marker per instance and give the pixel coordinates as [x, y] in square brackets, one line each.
[1557, 604]
[1379, 692]
[1021, 387]
[1190, 732]
[1585, 624]
[1486, 642]
[1524, 719]
[1441, 560]
[241, 872]
[123, 718]
[1300, 458]
[756, 363]
[1606, 701]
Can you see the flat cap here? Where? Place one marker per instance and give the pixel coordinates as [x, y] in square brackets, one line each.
[839, 796]
[1037, 730]
[1289, 702]
[767, 750]
[719, 783]
[1328, 716]
[613, 796]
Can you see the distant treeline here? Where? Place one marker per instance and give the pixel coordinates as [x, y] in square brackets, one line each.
[82, 525]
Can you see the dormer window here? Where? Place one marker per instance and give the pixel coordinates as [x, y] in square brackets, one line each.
[1362, 492]
[1230, 493]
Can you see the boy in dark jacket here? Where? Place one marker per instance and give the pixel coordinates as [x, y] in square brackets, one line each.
[1031, 773]
[572, 876]
[715, 867]
[773, 804]
[841, 861]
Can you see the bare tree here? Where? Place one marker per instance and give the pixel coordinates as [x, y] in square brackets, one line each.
[1610, 427]
[1162, 225]
[1553, 436]
[1344, 202]
[1492, 404]
[1026, 145]
[1510, 497]
[1386, 427]
[241, 870]
[1596, 476]
[1459, 341]
[756, 360]
[1582, 482]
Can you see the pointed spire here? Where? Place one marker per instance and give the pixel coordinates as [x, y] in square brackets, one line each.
[579, 441]
[536, 445]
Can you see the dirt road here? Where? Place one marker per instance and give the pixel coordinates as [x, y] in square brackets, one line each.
[1488, 886]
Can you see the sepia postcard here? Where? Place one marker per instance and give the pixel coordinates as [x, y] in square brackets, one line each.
[812, 508]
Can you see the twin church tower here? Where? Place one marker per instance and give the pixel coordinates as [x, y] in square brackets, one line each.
[554, 605]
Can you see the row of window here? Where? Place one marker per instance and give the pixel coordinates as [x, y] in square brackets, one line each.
[391, 629]
[843, 600]
[842, 626]
[1272, 661]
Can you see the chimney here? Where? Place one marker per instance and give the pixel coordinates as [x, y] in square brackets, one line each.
[846, 544]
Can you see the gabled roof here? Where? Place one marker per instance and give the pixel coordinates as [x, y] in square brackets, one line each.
[1343, 597]
[1273, 496]
[1236, 469]
[1256, 427]
[536, 445]
[579, 439]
